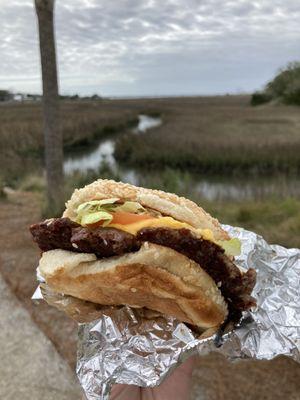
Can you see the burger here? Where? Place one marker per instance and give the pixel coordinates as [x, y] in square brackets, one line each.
[118, 244]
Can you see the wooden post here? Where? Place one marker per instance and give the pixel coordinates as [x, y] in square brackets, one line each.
[52, 130]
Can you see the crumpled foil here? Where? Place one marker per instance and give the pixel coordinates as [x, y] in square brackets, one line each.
[141, 347]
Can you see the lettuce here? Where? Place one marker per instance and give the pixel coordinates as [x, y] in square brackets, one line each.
[131, 207]
[95, 205]
[94, 211]
[94, 217]
[232, 247]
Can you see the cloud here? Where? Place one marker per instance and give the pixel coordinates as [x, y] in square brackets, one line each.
[152, 47]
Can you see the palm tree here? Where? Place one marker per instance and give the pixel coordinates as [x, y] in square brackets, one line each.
[52, 132]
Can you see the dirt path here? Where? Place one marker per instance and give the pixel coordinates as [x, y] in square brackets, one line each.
[214, 379]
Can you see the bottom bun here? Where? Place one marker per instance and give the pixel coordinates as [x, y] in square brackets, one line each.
[154, 277]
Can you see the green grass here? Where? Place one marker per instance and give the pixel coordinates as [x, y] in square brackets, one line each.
[277, 221]
[32, 183]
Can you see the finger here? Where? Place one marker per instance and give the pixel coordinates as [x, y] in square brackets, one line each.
[125, 392]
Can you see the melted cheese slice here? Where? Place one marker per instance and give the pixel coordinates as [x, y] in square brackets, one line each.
[163, 222]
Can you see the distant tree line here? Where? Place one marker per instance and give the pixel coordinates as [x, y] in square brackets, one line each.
[77, 97]
[285, 87]
[6, 95]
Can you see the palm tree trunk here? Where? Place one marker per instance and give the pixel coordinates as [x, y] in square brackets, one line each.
[52, 132]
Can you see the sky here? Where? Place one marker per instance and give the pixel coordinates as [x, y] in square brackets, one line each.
[152, 47]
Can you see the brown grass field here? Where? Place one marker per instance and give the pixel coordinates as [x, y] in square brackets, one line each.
[21, 131]
[220, 135]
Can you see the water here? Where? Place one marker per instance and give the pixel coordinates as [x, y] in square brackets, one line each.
[245, 188]
[104, 150]
[248, 188]
[92, 160]
[145, 123]
[223, 188]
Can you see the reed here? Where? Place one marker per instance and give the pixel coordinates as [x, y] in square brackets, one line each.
[218, 137]
[21, 133]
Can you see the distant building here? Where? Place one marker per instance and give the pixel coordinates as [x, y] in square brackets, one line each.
[18, 97]
[26, 97]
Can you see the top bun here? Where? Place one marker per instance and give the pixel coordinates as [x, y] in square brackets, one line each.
[169, 204]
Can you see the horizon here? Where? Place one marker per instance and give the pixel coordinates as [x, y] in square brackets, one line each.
[128, 97]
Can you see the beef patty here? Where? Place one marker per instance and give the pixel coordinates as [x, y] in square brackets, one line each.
[104, 242]
[54, 233]
[62, 233]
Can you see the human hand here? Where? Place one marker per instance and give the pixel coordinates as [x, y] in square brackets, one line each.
[176, 387]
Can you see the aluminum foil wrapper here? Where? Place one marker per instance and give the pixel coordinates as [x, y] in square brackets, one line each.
[141, 347]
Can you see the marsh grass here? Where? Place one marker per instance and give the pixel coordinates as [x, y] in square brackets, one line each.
[222, 135]
[215, 135]
[21, 131]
